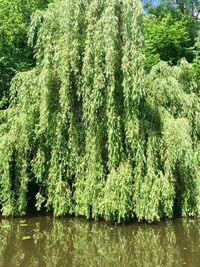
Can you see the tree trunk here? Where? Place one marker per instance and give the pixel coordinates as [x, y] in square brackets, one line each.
[181, 5]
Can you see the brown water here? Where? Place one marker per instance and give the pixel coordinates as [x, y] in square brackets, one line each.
[44, 241]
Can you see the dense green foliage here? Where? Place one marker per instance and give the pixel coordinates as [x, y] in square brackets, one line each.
[170, 34]
[170, 31]
[15, 55]
[90, 130]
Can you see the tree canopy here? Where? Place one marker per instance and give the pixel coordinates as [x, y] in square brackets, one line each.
[90, 131]
[170, 34]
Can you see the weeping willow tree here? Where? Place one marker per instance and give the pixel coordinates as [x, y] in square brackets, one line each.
[90, 131]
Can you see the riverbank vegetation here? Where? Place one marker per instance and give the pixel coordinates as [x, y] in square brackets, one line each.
[107, 123]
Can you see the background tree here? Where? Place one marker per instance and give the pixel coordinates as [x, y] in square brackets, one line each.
[15, 54]
[189, 6]
[170, 34]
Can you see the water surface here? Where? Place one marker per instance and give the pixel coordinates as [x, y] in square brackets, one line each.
[44, 241]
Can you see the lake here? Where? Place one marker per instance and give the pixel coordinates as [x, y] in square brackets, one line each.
[41, 241]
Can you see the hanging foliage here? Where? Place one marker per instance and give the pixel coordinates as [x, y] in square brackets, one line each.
[90, 131]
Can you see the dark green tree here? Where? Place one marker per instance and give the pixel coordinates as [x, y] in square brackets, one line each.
[15, 54]
[169, 34]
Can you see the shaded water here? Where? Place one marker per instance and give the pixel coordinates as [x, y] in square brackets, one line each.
[44, 241]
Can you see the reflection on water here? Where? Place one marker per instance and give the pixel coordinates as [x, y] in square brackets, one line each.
[44, 241]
